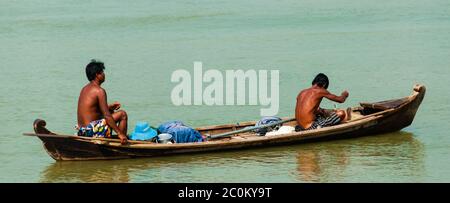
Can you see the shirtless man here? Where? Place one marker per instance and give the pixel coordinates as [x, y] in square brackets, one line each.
[95, 117]
[308, 113]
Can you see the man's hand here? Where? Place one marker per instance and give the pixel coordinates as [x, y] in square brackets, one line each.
[123, 138]
[115, 106]
[345, 94]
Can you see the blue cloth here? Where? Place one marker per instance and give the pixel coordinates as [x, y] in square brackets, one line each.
[180, 132]
[267, 120]
[163, 128]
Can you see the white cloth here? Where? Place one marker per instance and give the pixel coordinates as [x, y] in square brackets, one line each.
[282, 130]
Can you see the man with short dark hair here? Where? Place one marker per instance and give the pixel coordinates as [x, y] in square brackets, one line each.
[308, 113]
[95, 117]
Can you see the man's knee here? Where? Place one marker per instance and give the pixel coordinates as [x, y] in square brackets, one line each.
[123, 115]
[341, 114]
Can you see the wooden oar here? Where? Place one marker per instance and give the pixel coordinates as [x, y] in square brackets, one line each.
[228, 134]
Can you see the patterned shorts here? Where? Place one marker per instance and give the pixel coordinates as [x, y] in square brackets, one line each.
[97, 128]
[321, 122]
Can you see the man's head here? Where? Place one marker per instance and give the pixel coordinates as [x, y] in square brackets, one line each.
[321, 80]
[94, 71]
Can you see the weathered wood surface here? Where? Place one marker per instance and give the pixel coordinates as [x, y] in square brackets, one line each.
[386, 116]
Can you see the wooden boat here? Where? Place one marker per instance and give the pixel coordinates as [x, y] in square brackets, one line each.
[367, 119]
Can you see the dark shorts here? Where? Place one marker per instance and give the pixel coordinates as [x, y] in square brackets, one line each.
[321, 122]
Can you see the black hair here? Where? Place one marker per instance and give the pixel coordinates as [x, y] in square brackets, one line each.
[321, 80]
[93, 68]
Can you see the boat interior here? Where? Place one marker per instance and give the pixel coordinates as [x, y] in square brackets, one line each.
[365, 109]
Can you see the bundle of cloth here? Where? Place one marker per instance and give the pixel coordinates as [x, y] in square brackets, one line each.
[267, 120]
[180, 132]
[278, 129]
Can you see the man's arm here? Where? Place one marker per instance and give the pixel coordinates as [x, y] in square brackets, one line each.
[108, 117]
[114, 106]
[339, 99]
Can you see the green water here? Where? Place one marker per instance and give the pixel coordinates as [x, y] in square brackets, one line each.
[375, 49]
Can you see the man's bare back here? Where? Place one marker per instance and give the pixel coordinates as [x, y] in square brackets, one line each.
[88, 105]
[308, 103]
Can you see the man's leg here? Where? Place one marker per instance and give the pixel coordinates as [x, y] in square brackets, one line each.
[121, 117]
[344, 115]
[341, 114]
[327, 112]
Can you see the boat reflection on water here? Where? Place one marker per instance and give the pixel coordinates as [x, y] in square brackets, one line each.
[392, 157]
[396, 156]
[106, 170]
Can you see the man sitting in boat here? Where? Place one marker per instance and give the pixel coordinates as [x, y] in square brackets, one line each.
[308, 113]
[95, 117]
